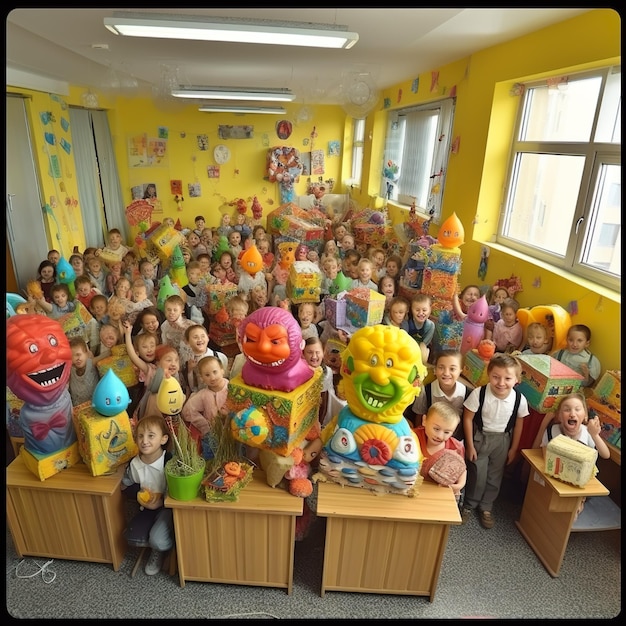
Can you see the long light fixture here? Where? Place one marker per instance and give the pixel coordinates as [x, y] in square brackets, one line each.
[235, 93]
[231, 30]
[225, 108]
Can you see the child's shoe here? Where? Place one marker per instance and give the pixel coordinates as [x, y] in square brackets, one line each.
[153, 566]
[486, 519]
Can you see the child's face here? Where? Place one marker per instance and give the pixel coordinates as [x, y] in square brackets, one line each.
[576, 341]
[140, 293]
[54, 257]
[259, 297]
[219, 272]
[205, 266]
[379, 259]
[172, 311]
[388, 287]
[263, 246]
[340, 231]
[147, 271]
[79, 357]
[95, 265]
[238, 312]
[198, 340]
[502, 380]
[447, 371]
[212, 374]
[537, 339]
[98, 309]
[509, 316]
[193, 239]
[194, 275]
[121, 288]
[169, 221]
[572, 414]
[170, 362]
[470, 296]
[331, 267]
[206, 236]
[186, 256]
[226, 261]
[347, 242]
[499, 296]
[146, 349]
[150, 439]
[84, 289]
[200, 225]
[350, 268]
[330, 247]
[150, 323]
[306, 315]
[420, 311]
[313, 354]
[77, 265]
[60, 298]
[108, 338]
[397, 313]
[47, 273]
[115, 311]
[115, 241]
[361, 248]
[438, 429]
[392, 269]
[234, 239]
[365, 272]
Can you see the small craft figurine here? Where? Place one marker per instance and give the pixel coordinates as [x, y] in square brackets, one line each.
[474, 324]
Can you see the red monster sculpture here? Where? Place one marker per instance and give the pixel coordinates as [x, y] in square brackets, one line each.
[272, 343]
[39, 359]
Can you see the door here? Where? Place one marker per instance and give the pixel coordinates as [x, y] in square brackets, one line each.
[26, 233]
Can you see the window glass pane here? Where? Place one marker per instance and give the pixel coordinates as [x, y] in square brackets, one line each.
[543, 200]
[563, 113]
[602, 248]
[610, 121]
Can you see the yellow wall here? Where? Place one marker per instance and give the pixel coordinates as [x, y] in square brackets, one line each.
[473, 189]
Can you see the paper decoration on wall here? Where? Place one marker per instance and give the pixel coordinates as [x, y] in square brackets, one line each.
[513, 285]
[456, 144]
[157, 152]
[434, 81]
[284, 167]
[203, 142]
[317, 162]
[484, 262]
[305, 157]
[399, 98]
[194, 190]
[163, 132]
[284, 129]
[386, 103]
[176, 187]
[517, 89]
[55, 168]
[138, 150]
[213, 171]
[235, 132]
[415, 85]
[537, 282]
[50, 138]
[452, 93]
[334, 148]
[221, 154]
[65, 145]
[572, 307]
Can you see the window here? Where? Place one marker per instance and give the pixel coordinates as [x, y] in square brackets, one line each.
[417, 146]
[358, 139]
[563, 199]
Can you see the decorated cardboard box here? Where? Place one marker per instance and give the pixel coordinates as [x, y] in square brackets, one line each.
[276, 218]
[304, 283]
[609, 388]
[610, 418]
[222, 332]
[448, 333]
[120, 363]
[297, 225]
[104, 443]
[270, 419]
[46, 465]
[569, 461]
[439, 284]
[364, 307]
[371, 227]
[218, 295]
[163, 240]
[335, 310]
[81, 323]
[14, 406]
[475, 368]
[545, 380]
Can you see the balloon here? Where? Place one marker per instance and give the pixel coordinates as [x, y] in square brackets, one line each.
[110, 396]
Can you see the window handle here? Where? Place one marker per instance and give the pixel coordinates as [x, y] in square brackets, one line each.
[578, 223]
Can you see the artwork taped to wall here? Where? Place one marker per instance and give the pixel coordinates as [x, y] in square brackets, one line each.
[317, 162]
[138, 150]
[203, 142]
[213, 171]
[235, 132]
[305, 159]
[194, 190]
[334, 148]
[157, 152]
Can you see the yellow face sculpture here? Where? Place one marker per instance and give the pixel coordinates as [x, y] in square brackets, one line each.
[382, 373]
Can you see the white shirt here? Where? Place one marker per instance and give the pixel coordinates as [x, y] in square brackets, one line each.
[150, 476]
[496, 412]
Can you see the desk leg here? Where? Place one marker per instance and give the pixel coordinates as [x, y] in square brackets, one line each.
[545, 529]
[179, 548]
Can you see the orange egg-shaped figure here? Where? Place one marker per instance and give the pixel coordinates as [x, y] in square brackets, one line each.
[451, 234]
[251, 260]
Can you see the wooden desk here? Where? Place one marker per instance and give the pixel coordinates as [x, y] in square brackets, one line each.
[248, 542]
[385, 543]
[71, 515]
[549, 509]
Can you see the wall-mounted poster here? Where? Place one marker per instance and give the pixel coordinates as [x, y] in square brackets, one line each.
[138, 150]
[317, 162]
[203, 142]
[305, 159]
[157, 152]
[213, 171]
[194, 190]
[235, 132]
[334, 148]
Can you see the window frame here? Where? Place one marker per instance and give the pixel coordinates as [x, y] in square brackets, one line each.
[358, 149]
[595, 154]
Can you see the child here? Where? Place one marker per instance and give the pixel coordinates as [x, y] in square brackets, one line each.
[219, 273]
[195, 290]
[498, 296]
[130, 266]
[350, 263]
[197, 344]
[227, 261]
[206, 238]
[224, 229]
[436, 433]
[149, 321]
[46, 277]
[330, 269]
[116, 309]
[388, 287]
[203, 406]
[364, 269]
[263, 246]
[393, 267]
[445, 388]
[258, 297]
[146, 473]
[508, 334]
[114, 248]
[84, 374]
[109, 337]
[97, 274]
[577, 356]
[76, 261]
[234, 243]
[175, 324]
[115, 273]
[195, 245]
[147, 271]
[85, 291]
[377, 256]
[330, 249]
[537, 339]
[492, 422]
[99, 309]
[397, 313]
[54, 257]
[140, 300]
[306, 317]
[313, 354]
[421, 328]
[462, 302]
[204, 260]
[347, 243]
[199, 221]
[61, 303]
[122, 289]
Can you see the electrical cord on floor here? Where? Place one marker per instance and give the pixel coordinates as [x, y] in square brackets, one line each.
[47, 575]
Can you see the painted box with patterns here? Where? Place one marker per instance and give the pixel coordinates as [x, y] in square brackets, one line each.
[364, 307]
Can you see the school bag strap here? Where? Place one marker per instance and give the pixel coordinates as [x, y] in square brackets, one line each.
[478, 416]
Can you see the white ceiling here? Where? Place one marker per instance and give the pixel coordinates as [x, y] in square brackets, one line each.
[394, 45]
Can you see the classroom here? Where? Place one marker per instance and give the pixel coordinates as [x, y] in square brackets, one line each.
[142, 170]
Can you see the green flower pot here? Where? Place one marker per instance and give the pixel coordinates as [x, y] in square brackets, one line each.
[184, 487]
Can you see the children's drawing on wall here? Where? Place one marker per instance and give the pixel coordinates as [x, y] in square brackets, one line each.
[157, 152]
[305, 159]
[163, 132]
[176, 187]
[317, 162]
[213, 171]
[203, 142]
[193, 190]
[334, 148]
[284, 129]
[138, 150]
[235, 132]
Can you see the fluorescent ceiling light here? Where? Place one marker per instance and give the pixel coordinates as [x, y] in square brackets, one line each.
[231, 30]
[235, 93]
[225, 108]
